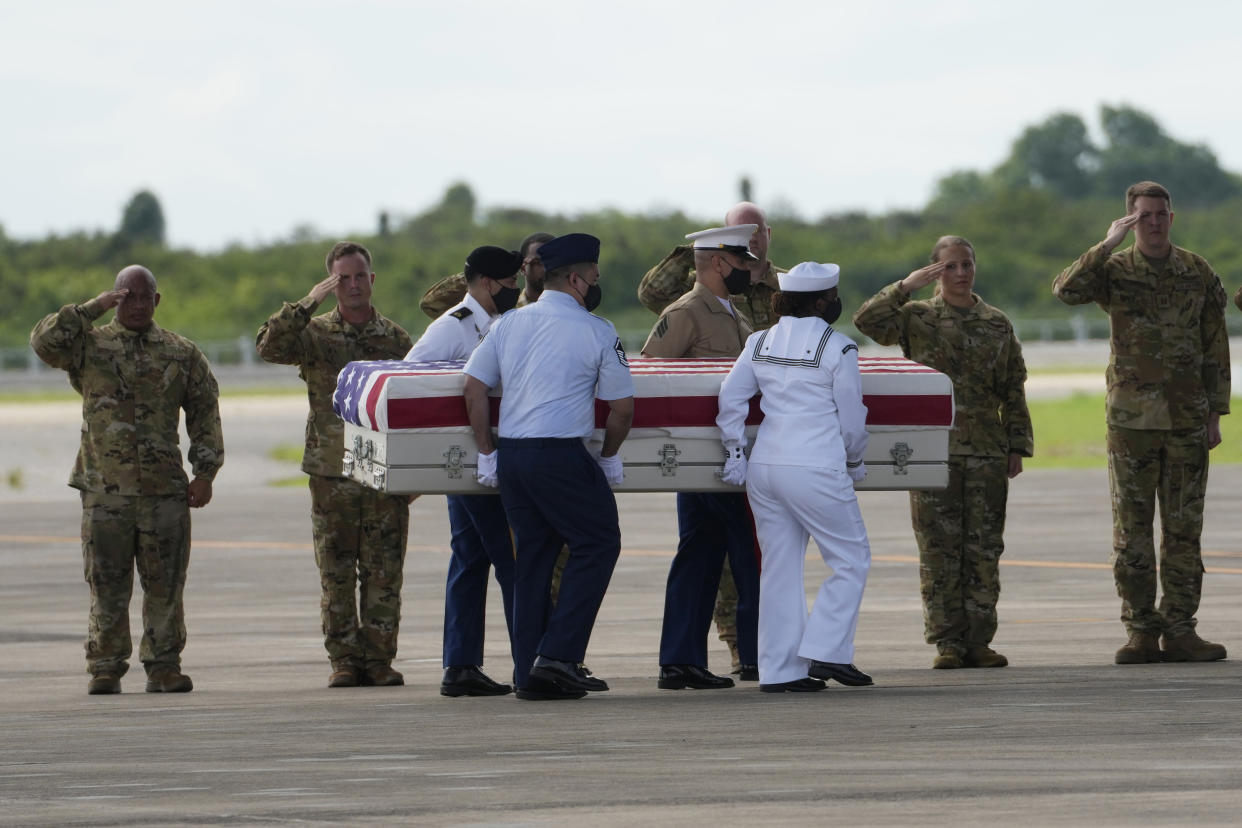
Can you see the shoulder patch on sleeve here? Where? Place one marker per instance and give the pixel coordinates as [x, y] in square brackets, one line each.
[848, 348]
[661, 327]
[461, 313]
[621, 357]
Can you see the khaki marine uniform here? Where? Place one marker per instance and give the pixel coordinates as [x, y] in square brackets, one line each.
[960, 530]
[1168, 369]
[673, 277]
[697, 325]
[360, 534]
[129, 469]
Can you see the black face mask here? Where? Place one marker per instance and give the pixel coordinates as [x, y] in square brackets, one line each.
[737, 281]
[593, 296]
[506, 298]
[833, 312]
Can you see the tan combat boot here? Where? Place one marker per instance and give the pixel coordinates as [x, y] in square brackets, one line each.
[1142, 648]
[380, 675]
[1190, 647]
[170, 680]
[104, 684]
[948, 661]
[984, 656]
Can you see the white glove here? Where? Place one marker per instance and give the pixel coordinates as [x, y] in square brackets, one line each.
[487, 473]
[734, 472]
[614, 471]
[856, 473]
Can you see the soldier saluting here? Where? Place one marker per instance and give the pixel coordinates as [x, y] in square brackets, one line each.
[1168, 385]
[135, 378]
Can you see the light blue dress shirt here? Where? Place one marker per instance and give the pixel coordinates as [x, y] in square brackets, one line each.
[554, 359]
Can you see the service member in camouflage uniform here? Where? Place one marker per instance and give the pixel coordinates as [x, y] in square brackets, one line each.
[673, 277]
[360, 534]
[1168, 385]
[135, 378]
[450, 290]
[960, 530]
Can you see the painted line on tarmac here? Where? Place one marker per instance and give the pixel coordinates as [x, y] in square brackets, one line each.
[641, 553]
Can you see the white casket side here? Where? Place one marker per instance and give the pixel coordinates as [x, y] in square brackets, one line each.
[406, 429]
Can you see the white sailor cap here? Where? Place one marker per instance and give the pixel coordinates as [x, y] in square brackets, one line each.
[734, 239]
[809, 277]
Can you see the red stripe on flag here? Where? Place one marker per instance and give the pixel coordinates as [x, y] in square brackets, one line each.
[675, 412]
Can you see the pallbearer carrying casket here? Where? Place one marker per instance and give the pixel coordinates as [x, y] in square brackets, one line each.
[800, 479]
[706, 323]
[554, 358]
[480, 532]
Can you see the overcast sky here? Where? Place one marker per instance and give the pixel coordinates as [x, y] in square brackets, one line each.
[250, 118]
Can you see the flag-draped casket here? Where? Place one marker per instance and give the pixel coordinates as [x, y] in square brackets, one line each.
[406, 429]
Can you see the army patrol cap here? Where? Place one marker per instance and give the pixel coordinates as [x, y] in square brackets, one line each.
[494, 262]
[573, 248]
[734, 239]
[809, 277]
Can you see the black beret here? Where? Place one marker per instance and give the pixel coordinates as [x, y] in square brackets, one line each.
[494, 262]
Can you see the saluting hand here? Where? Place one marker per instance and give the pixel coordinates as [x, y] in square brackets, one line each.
[111, 298]
[922, 277]
[1118, 229]
[320, 291]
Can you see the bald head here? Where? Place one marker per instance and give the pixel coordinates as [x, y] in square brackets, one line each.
[137, 306]
[746, 212]
[129, 276]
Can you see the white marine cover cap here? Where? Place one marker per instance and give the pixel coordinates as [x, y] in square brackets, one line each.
[733, 239]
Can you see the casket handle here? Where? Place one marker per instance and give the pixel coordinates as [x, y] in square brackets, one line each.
[668, 459]
[901, 453]
[452, 464]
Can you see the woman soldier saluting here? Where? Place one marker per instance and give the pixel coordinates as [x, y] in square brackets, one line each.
[960, 529]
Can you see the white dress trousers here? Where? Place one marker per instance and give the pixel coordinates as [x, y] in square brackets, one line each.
[814, 429]
[791, 503]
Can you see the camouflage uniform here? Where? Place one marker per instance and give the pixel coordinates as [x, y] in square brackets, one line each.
[447, 292]
[1237, 298]
[670, 279]
[130, 471]
[960, 530]
[1168, 369]
[360, 534]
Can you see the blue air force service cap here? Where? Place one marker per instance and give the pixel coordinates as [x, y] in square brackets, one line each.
[494, 262]
[809, 277]
[734, 239]
[569, 249]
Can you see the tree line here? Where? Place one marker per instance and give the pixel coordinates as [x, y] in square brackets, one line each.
[1050, 199]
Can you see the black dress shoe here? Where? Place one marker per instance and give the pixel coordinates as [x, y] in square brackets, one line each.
[470, 681]
[681, 676]
[566, 675]
[802, 685]
[747, 672]
[844, 673]
[540, 690]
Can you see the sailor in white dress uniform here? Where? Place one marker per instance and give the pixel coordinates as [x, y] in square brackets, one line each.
[799, 479]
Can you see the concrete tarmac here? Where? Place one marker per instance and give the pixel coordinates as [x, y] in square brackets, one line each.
[1063, 735]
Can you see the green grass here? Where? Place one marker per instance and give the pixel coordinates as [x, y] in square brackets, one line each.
[286, 453]
[1069, 434]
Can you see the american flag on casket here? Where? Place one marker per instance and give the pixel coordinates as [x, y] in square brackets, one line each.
[407, 429]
